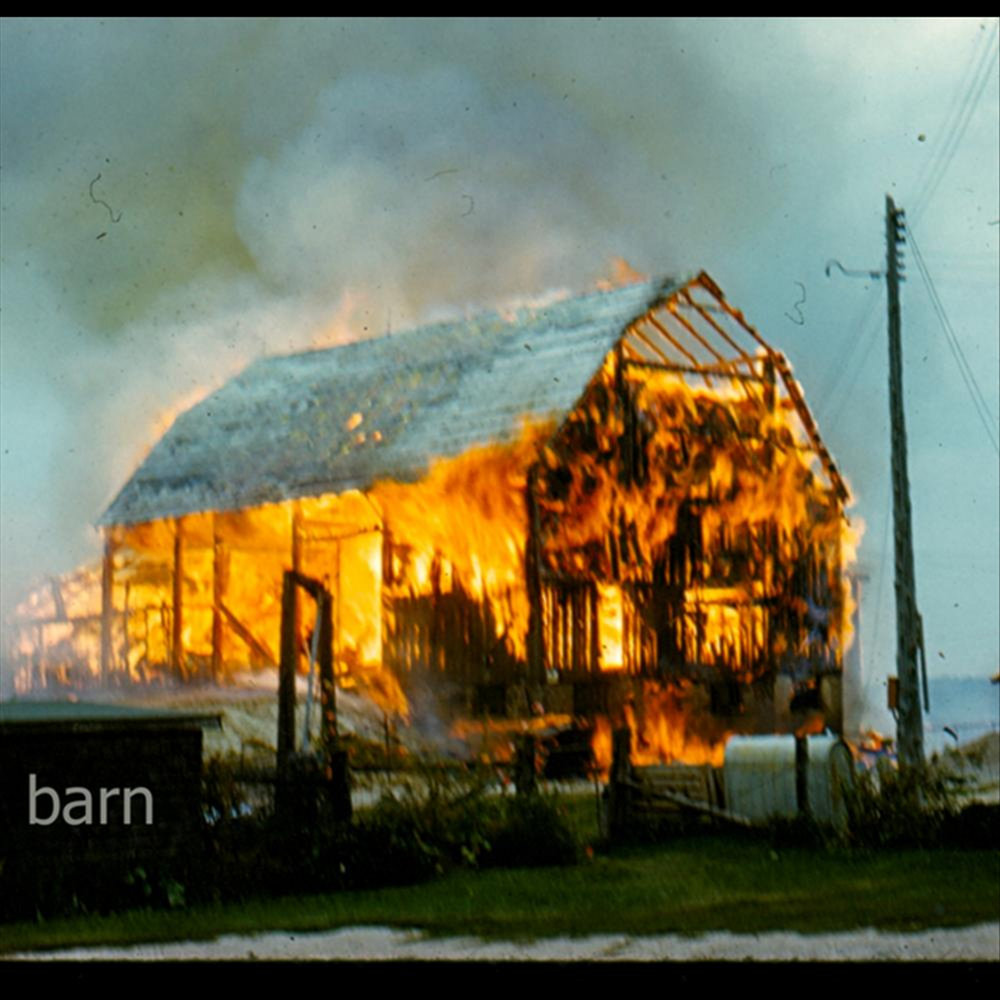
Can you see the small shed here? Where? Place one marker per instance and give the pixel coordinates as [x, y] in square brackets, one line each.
[94, 782]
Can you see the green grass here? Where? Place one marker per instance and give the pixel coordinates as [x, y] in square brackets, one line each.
[688, 886]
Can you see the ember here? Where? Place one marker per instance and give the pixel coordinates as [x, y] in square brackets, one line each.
[635, 522]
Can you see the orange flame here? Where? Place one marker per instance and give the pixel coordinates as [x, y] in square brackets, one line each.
[690, 525]
[622, 273]
[669, 726]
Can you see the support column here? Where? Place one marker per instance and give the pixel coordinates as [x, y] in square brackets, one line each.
[286, 672]
[126, 655]
[107, 606]
[532, 569]
[220, 580]
[327, 685]
[338, 624]
[619, 784]
[297, 569]
[177, 630]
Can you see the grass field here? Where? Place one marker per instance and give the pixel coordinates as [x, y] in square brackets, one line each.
[688, 886]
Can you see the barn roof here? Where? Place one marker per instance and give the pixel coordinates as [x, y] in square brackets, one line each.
[292, 426]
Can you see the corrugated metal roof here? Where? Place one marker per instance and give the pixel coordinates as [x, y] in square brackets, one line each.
[280, 429]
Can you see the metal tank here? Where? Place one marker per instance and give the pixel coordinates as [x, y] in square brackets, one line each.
[769, 777]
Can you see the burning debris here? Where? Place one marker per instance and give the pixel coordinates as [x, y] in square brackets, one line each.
[635, 520]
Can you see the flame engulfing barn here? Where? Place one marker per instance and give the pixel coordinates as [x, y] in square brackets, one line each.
[618, 503]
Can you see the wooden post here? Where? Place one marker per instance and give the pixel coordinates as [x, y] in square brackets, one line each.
[126, 654]
[525, 775]
[334, 767]
[297, 568]
[336, 633]
[220, 580]
[770, 402]
[38, 660]
[286, 672]
[327, 685]
[910, 726]
[335, 764]
[619, 792]
[532, 569]
[107, 605]
[177, 638]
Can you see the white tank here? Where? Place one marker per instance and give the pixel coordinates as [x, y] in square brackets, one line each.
[831, 772]
[759, 775]
[770, 776]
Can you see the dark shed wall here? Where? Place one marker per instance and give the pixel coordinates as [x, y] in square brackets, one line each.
[165, 760]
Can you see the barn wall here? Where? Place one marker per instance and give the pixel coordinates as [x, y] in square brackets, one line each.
[633, 510]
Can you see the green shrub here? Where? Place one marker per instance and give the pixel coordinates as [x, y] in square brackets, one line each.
[905, 807]
[392, 844]
[224, 796]
[449, 813]
[49, 887]
[534, 830]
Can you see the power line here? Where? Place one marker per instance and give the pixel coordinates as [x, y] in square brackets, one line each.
[861, 325]
[964, 368]
[854, 364]
[956, 131]
[964, 88]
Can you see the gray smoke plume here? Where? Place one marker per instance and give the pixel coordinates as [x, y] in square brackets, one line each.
[180, 196]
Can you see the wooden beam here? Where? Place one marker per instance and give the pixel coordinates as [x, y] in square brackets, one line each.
[665, 333]
[177, 636]
[337, 611]
[57, 598]
[635, 331]
[286, 672]
[297, 533]
[532, 558]
[619, 783]
[126, 665]
[672, 309]
[327, 685]
[630, 352]
[220, 580]
[107, 605]
[711, 370]
[255, 644]
[703, 313]
[805, 415]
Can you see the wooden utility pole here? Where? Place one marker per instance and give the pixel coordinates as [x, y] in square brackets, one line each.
[910, 726]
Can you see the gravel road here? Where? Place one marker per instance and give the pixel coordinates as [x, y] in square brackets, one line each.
[964, 944]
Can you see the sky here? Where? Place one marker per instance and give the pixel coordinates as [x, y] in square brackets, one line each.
[181, 196]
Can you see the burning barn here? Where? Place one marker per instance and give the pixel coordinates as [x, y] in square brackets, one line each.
[618, 504]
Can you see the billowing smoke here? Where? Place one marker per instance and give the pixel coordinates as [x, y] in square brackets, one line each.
[180, 196]
[400, 199]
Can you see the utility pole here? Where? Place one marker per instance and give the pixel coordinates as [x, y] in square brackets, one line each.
[909, 638]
